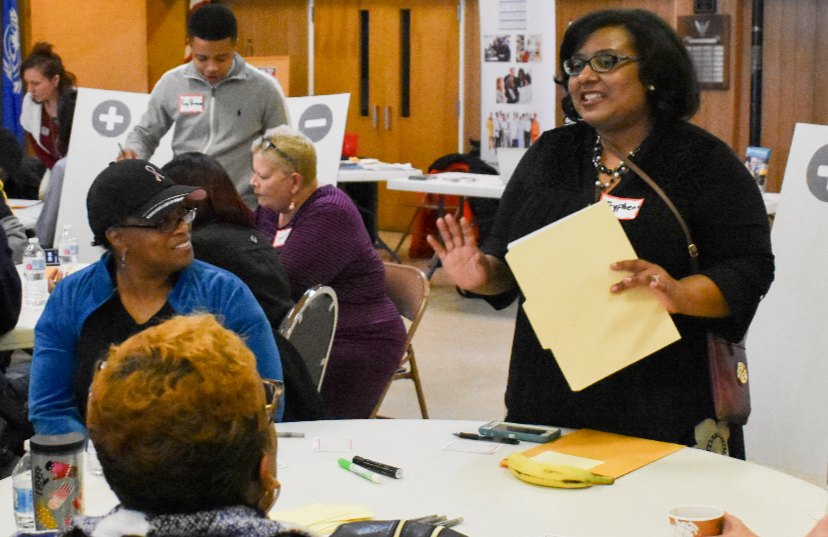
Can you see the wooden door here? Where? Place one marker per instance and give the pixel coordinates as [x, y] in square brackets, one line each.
[401, 115]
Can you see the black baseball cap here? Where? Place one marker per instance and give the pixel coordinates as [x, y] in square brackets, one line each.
[133, 188]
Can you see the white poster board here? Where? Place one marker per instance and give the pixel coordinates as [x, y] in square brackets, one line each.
[322, 119]
[787, 341]
[517, 73]
[103, 118]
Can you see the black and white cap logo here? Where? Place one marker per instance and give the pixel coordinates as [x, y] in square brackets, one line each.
[111, 118]
[316, 122]
[817, 175]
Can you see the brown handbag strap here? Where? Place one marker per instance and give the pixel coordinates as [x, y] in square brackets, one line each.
[692, 250]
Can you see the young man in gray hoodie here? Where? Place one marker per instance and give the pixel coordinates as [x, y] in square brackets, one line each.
[218, 103]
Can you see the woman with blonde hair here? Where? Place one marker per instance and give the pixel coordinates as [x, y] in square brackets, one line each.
[321, 239]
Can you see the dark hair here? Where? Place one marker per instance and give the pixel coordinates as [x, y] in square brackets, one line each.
[65, 113]
[49, 64]
[11, 154]
[664, 62]
[212, 22]
[223, 203]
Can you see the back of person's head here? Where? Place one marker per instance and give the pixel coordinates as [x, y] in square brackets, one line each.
[11, 154]
[66, 112]
[177, 415]
[213, 22]
[223, 203]
[44, 59]
[289, 147]
[664, 63]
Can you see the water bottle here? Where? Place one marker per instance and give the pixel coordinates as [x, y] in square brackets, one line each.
[22, 485]
[36, 289]
[67, 250]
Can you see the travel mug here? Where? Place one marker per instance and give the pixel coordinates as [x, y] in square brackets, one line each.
[57, 478]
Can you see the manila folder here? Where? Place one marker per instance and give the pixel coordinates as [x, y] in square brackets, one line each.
[563, 270]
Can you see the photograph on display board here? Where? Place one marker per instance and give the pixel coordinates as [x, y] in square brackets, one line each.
[506, 128]
[528, 48]
[498, 48]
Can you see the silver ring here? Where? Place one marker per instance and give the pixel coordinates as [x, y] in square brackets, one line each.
[655, 278]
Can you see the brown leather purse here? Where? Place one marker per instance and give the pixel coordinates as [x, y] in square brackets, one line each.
[727, 360]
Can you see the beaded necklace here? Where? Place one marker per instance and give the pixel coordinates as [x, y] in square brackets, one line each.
[615, 173]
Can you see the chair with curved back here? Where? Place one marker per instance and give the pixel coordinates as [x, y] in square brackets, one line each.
[408, 288]
[310, 326]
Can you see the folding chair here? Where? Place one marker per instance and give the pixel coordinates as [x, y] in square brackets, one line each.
[310, 326]
[408, 288]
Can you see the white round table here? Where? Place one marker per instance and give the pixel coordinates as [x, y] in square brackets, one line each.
[495, 504]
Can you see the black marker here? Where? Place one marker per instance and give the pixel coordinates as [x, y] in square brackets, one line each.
[378, 467]
[473, 436]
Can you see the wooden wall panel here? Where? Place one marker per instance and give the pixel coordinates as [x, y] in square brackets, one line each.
[166, 36]
[275, 28]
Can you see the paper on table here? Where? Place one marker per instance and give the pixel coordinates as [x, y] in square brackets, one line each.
[621, 454]
[563, 270]
[323, 517]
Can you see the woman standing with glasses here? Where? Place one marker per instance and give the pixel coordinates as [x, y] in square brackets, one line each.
[146, 275]
[630, 85]
[321, 239]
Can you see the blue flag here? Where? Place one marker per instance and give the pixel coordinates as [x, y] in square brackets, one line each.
[12, 85]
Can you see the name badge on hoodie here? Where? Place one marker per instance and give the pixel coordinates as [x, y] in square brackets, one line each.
[191, 104]
[624, 208]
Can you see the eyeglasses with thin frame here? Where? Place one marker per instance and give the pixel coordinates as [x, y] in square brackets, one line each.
[267, 143]
[603, 62]
[170, 222]
[273, 392]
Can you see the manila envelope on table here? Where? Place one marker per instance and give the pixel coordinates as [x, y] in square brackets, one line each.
[619, 454]
[563, 270]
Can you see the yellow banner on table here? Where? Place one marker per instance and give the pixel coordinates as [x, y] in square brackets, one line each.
[563, 270]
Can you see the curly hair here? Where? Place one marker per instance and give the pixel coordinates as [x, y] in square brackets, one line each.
[289, 147]
[177, 417]
[43, 58]
[664, 62]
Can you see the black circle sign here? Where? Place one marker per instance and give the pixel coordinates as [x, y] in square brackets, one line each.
[111, 118]
[316, 122]
[817, 175]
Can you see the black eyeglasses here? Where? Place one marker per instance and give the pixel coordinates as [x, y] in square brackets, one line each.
[603, 62]
[170, 222]
[273, 392]
[267, 143]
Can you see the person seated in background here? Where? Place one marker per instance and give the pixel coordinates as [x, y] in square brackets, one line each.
[321, 239]
[734, 527]
[224, 235]
[46, 81]
[10, 157]
[195, 398]
[146, 275]
[47, 220]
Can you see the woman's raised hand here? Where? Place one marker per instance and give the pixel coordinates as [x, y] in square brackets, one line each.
[459, 254]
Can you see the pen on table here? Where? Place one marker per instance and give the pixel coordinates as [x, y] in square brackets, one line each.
[289, 434]
[378, 467]
[361, 472]
[473, 436]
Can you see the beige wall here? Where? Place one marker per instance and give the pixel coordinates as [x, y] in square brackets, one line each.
[104, 42]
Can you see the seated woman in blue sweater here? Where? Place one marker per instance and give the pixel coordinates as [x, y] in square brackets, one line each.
[146, 275]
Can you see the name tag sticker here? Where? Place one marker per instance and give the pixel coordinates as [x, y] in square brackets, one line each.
[624, 208]
[191, 103]
[281, 236]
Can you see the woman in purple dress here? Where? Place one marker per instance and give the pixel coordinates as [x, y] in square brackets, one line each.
[321, 239]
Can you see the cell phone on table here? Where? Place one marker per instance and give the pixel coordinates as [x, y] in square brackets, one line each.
[519, 431]
[52, 259]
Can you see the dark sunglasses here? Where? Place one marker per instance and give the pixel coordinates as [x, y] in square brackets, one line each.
[267, 143]
[603, 62]
[170, 222]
